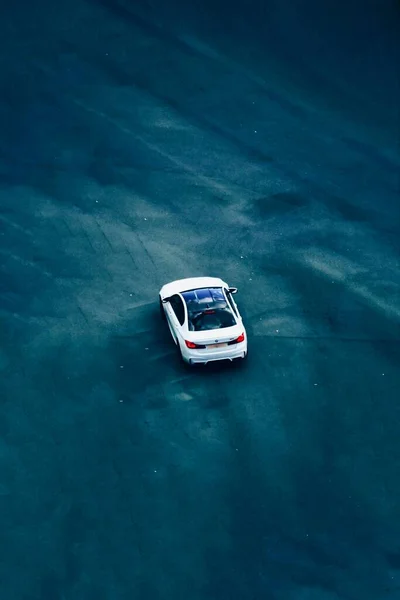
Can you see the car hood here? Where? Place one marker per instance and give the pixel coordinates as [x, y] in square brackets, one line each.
[212, 336]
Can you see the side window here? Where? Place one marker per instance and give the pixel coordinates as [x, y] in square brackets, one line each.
[231, 304]
[178, 308]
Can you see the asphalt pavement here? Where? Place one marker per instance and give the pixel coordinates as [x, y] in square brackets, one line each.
[146, 142]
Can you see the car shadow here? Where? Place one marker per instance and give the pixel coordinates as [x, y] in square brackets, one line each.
[216, 367]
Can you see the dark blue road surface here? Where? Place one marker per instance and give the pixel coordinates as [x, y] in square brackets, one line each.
[143, 142]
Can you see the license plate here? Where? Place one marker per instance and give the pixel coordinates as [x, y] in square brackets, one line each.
[217, 345]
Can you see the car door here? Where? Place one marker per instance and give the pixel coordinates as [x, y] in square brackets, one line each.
[233, 305]
[176, 315]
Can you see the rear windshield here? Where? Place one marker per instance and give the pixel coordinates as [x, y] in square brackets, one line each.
[208, 309]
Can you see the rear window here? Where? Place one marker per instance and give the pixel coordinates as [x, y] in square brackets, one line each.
[208, 309]
[213, 319]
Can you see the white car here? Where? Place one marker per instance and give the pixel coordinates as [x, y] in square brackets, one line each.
[204, 320]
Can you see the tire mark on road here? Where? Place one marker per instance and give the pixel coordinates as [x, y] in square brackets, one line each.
[325, 195]
[104, 235]
[327, 338]
[146, 251]
[26, 263]
[142, 84]
[82, 313]
[191, 48]
[321, 193]
[323, 268]
[15, 225]
[180, 168]
[132, 259]
[86, 236]
[209, 182]
[212, 183]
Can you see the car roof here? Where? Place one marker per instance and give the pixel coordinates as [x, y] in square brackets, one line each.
[199, 298]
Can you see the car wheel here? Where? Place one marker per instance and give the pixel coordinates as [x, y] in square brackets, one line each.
[180, 355]
[162, 311]
[187, 364]
[241, 360]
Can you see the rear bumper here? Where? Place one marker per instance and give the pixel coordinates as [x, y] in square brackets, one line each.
[205, 356]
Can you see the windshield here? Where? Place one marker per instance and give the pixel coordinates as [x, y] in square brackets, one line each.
[208, 309]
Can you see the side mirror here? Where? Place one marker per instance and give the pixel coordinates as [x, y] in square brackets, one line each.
[232, 290]
[165, 300]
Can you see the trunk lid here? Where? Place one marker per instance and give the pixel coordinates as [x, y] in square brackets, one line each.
[215, 336]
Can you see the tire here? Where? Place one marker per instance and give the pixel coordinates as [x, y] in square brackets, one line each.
[180, 355]
[162, 311]
[186, 365]
[241, 360]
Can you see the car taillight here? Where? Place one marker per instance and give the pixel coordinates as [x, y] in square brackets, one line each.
[240, 338]
[190, 344]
